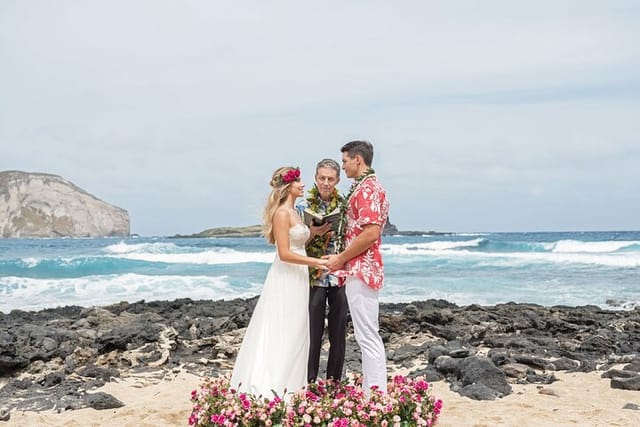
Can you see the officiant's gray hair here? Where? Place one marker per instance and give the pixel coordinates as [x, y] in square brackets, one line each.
[328, 163]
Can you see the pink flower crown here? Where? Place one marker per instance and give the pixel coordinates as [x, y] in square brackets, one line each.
[290, 176]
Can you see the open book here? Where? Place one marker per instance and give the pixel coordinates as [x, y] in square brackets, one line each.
[314, 218]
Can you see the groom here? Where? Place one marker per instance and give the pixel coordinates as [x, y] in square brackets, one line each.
[367, 210]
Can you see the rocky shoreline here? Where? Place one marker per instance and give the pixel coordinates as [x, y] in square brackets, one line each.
[57, 358]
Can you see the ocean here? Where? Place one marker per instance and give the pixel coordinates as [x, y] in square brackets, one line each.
[551, 268]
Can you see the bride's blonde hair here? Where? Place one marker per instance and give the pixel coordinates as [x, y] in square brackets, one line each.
[280, 183]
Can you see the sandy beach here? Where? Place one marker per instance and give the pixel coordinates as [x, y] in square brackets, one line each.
[576, 399]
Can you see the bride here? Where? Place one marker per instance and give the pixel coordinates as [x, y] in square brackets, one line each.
[274, 352]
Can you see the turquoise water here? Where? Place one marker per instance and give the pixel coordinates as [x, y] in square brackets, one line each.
[600, 268]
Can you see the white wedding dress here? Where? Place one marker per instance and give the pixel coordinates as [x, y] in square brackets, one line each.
[275, 348]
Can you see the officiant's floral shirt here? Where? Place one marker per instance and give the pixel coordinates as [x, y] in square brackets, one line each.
[367, 205]
[326, 280]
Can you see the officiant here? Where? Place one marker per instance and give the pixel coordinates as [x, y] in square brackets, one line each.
[327, 291]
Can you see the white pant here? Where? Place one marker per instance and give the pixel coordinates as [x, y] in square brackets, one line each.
[364, 307]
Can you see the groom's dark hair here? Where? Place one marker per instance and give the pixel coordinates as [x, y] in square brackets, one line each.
[364, 148]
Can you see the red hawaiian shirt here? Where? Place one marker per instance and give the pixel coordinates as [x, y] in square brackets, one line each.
[367, 205]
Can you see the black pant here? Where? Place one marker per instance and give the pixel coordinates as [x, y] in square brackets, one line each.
[337, 319]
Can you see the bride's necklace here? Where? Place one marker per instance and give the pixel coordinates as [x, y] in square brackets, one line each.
[343, 209]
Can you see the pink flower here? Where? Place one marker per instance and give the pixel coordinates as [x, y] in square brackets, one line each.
[421, 386]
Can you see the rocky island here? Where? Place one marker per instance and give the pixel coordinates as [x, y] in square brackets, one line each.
[45, 205]
[256, 231]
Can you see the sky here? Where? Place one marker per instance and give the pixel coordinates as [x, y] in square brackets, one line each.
[484, 115]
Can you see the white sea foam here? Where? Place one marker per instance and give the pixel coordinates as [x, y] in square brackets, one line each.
[631, 259]
[174, 254]
[514, 259]
[210, 257]
[153, 248]
[548, 246]
[491, 290]
[427, 247]
[577, 246]
[34, 294]
[31, 262]
[400, 294]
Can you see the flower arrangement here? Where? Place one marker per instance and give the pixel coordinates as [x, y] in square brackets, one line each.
[407, 403]
[290, 176]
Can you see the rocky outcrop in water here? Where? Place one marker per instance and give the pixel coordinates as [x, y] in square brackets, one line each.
[56, 358]
[248, 231]
[256, 231]
[43, 205]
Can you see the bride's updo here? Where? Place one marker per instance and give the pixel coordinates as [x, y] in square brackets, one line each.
[280, 183]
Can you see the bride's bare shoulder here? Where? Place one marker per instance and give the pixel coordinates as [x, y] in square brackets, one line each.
[281, 211]
[282, 214]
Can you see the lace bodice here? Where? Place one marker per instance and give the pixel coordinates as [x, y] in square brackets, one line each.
[298, 235]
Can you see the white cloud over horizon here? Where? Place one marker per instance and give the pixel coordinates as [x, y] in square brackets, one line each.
[485, 116]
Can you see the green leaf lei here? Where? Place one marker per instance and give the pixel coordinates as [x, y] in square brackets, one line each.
[319, 244]
[342, 226]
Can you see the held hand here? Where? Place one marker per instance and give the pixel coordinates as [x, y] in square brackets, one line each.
[321, 264]
[334, 262]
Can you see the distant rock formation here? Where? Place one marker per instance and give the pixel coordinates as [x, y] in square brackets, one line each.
[248, 231]
[256, 231]
[389, 229]
[44, 205]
